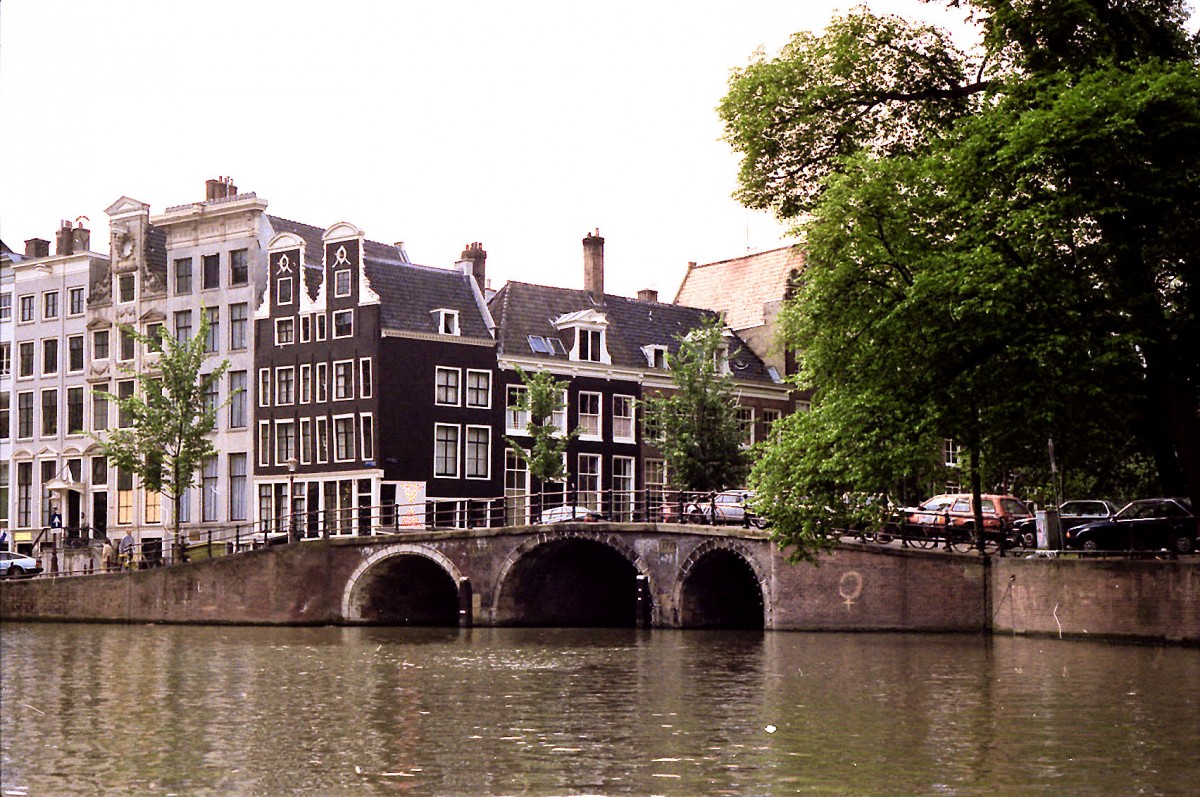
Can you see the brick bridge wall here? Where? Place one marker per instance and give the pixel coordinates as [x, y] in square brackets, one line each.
[852, 589]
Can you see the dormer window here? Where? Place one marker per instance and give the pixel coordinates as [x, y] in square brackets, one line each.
[590, 327]
[590, 345]
[656, 356]
[447, 321]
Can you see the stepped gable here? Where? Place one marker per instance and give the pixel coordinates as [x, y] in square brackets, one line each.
[522, 309]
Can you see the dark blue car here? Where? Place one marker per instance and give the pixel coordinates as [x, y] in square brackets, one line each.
[1153, 524]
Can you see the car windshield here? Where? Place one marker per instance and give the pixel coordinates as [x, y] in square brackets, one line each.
[1013, 507]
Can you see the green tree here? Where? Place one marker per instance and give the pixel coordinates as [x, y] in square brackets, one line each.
[1001, 247]
[165, 438]
[697, 425]
[542, 398]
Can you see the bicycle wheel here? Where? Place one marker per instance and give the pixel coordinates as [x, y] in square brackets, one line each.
[962, 540]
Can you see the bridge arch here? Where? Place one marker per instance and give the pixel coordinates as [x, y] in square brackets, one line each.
[571, 577]
[403, 584]
[721, 585]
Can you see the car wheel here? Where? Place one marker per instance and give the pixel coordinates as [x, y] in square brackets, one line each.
[1090, 545]
[1184, 545]
[696, 517]
[758, 523]
[16, 571]
[1028, 539]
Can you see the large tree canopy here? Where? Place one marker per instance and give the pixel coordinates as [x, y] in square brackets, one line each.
[1001, 247]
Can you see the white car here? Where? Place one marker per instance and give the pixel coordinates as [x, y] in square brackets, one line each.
[564, 514]
[18, 565]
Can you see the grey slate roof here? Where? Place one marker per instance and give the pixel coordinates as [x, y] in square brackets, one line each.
[521, 309]
[408, 293]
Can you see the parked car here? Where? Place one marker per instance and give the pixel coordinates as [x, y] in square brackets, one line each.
[730, 507]
[999, 511]
[1071, 514]
[565, 514]
[17, 565]
[1149, 525]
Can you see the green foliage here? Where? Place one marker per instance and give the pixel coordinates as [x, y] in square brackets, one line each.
[1001, 260]
[166, 439]
[542, 398]
[700, 436]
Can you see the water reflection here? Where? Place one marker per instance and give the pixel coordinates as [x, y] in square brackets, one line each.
[242, 710]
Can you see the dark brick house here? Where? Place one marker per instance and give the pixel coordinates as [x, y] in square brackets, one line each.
[375, 386]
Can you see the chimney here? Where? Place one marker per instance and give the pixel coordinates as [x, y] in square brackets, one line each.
[211, 189]
[647, 295]
[64, 240]
[37, 247]
[81, 236]
[475, 254]
[593, 266]
[219, 188]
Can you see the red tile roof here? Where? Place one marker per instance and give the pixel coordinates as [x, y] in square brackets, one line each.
[739, 287]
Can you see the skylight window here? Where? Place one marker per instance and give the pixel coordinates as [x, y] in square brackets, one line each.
[539, 345]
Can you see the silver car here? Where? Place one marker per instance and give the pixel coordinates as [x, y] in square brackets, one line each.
[17, 565]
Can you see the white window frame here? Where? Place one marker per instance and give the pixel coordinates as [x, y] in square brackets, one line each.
[584, 434]
[351, 449]
[264, 444]
[321, 439]
[348, 381]
[279, 372]
[306, 441]
[46, 296]
[437, 386]
[321, 394]
[284, 426]
[632, 417]
[77, 291]
[487, 389]
[487, 461]
[341, 291]
[512, 414]
[291, 293]
[366, 378]
[746, 417]
[580, 475]
[337, 313]
[305, 383]
[280, 323]
[457, 451]
[448, 321]
[264, 387]
[366, 436]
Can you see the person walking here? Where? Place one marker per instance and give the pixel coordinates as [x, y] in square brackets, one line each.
[125, 549]
[108, 556]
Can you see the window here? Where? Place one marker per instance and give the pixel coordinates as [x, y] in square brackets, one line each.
[305, 383]
[446, 387]
[264, 387]
[745, 417]
[623, 419]
[26, 305]
[5, 306]
[75, 410]
[99, 407]
[24, 494]
[322, 440]
[127, 346]
[264, 443]
[155, 333]
[283, 290]
[285, 383]
[447, 321]
[124, 496]
[5, 359]
[213, 337]
[124, 391]
[99, 470]
[343, 380]
[285, 441]
[305, 328]
[126, 288]
[239, 271]
[445, 451]
[516, 418]
[153, 506]
[183, 326]
[478, 452]
[74, 301]
[212, 393]
[343, 323]
[237, 486]
[623, 485]
[49, 412]
[183, 276]
[656, 356]
[5, 415]
[208, 490]
[100, 344]
[212, 272]
[306, 441]
[322, 326]
[367, 436]
[24, 415]
[25, 358]
[365, 386]
[479, 389]
[49, 305]
[238, 313]
[237, 400]
[589, 480]
[590, 347]
[322, 382]
[49, 356]
[589, 414]
[341, 283]
[183, 506]
[285, 331]
[951, 453]
[343, 438]
[769, 419]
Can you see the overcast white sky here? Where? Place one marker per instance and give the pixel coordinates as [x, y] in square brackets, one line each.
[518, 124]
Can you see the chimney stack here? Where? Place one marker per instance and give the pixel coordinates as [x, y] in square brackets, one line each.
[647, 295]
[219, 188]
[81, 236]
[593, 266]
[37, 247]
[475, 254]
[64, 240]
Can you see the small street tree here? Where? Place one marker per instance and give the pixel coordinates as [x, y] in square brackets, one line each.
[163, 438]
[699, 433]
[542, 398]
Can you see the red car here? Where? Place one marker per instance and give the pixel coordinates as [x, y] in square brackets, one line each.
[999, 511]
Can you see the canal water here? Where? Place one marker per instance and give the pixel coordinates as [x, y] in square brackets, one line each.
[191, 710]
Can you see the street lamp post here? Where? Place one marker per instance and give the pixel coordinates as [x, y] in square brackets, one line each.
[293, 535]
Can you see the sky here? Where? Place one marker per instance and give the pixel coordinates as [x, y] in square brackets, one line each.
[521, 125]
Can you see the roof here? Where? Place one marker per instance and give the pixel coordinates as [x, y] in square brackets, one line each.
[408, 293]
[522, 310]
[740, 287]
